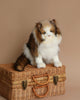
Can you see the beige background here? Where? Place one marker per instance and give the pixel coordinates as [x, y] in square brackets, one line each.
[17, 19]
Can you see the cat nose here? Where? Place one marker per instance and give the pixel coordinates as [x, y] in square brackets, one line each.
[49, 35]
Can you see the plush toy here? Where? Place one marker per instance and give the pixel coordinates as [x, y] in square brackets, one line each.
[42, 47]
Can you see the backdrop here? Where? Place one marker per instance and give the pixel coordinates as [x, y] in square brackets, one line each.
[17, 19]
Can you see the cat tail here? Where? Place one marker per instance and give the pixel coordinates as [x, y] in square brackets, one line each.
[21, 62]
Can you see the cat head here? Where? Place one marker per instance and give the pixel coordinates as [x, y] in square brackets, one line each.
[47, 29]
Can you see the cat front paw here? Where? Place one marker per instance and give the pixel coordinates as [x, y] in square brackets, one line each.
[41, 65]
[58, 64]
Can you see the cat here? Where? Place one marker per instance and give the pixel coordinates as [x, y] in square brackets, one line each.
[42, 47]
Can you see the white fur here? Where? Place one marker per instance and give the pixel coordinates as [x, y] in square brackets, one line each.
[28, 54]
[48, 33]
[39, 62]
[49, 51]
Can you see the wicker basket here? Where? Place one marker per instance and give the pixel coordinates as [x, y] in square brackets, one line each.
[31, 83]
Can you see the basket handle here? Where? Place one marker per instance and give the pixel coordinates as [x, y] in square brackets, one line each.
[40, 76]
[40, 96]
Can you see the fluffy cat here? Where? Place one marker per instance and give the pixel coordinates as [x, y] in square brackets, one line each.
[42, 47]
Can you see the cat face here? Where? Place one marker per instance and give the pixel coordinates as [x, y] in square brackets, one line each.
[47, 30]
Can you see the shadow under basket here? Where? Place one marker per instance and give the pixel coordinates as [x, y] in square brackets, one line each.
[32, 82]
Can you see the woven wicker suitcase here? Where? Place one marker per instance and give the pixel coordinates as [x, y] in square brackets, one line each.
[31, 83]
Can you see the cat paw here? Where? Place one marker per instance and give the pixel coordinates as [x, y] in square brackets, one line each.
[41, 65]
[58, 64]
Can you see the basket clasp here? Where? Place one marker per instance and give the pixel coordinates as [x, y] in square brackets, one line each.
[24, 84]
[55, 79]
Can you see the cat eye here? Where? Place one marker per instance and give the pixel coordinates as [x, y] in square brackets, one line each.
[51, 31]
[44, 33]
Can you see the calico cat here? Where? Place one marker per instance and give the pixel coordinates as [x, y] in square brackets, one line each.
[42, 47]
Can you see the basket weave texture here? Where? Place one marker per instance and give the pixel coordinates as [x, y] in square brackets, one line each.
[31, 83]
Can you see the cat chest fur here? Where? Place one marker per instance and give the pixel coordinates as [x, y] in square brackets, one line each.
[48, 49]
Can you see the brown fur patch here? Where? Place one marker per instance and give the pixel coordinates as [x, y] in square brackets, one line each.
[32, 46]
[38, 25]
[21, 62]
[56, 29]
[52, 29]
[38, 35]
[39, 30]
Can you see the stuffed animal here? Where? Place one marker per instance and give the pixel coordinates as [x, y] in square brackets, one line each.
[42, 47]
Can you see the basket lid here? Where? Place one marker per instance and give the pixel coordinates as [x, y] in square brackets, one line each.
[8, 74]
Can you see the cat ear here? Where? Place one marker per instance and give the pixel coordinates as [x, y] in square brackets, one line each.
[53, 21]
[39, 25]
